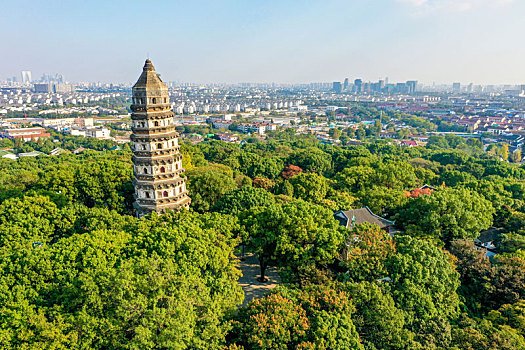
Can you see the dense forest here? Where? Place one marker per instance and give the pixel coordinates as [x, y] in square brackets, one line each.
[79, 271]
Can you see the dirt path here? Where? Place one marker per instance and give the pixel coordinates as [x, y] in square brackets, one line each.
[250, 271]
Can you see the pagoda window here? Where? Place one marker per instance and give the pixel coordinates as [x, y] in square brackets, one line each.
[162, 169]
[153, 100]
[165, 193]
[176, 166]
[147, 194]
[165, 100]
[156, 123]
[159, 145]
[145, 170]
[143, 147]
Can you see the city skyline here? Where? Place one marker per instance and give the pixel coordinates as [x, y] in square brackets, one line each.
[441, 41]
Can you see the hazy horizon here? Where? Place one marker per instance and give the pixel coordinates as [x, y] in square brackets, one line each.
[439, 41]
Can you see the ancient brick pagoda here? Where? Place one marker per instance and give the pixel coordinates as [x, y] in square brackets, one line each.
[157, 161]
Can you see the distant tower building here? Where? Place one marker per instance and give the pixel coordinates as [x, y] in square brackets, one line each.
[157, 162]
[411, 86]
[345, 84]
[26, 76]
[456, 87]
[337, 87]
[358, 85]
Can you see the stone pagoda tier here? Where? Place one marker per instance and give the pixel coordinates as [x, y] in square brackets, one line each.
[157, 161]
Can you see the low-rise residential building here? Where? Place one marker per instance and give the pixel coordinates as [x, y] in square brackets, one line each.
[227, 137]
[26, 134]
[98, 132]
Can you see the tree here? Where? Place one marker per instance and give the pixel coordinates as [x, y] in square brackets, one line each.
[423, 284]
[291, 170]
[503, 151]
[416, 192]
[360, 133]
[475, 270]
[454, 177]
[269, 167]
[450, 157]
[355, 178]
[382, 201]
[262, 182]
[29, 220]
[311, 159]
[501, 329]
[207, 188]
[104, 183]
[309, 187]
[334, 133]
[338, 200]
[475, 143]
[316, 317]
[398, 175]
[380, 324]
[446, 214]
[515, 156]
[244, 198]
[161, 282]
[366, 250]
[294, 236]
[493, 190]
[273, 322]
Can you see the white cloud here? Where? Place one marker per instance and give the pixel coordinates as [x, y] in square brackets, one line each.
[425, 7]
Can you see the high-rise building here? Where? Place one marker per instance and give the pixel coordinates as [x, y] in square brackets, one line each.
[411, 86]
[26, 76]
[337, 87]
[63, 88]
[43, 87]
[157, 161]
[456, 87]
[358, 85]
[53, 87]
[345, 84]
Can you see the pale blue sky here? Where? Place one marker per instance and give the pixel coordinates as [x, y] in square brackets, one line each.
[479, 41]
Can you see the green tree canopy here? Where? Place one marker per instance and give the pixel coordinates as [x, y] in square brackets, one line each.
[423, 284]
[316, 317]
[167, 282]
[447, 214]
[309, 187]
[207, 188]
[244, 198]
[294, 236]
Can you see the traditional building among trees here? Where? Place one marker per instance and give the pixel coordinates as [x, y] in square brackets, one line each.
[350, 218]
[157, 161]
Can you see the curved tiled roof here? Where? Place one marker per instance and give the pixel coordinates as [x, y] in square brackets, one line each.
[361, 215]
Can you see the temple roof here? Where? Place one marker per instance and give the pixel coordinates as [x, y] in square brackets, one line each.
[359, 216]
[149, 79]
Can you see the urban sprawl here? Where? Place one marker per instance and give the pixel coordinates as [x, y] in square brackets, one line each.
[345, 112]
